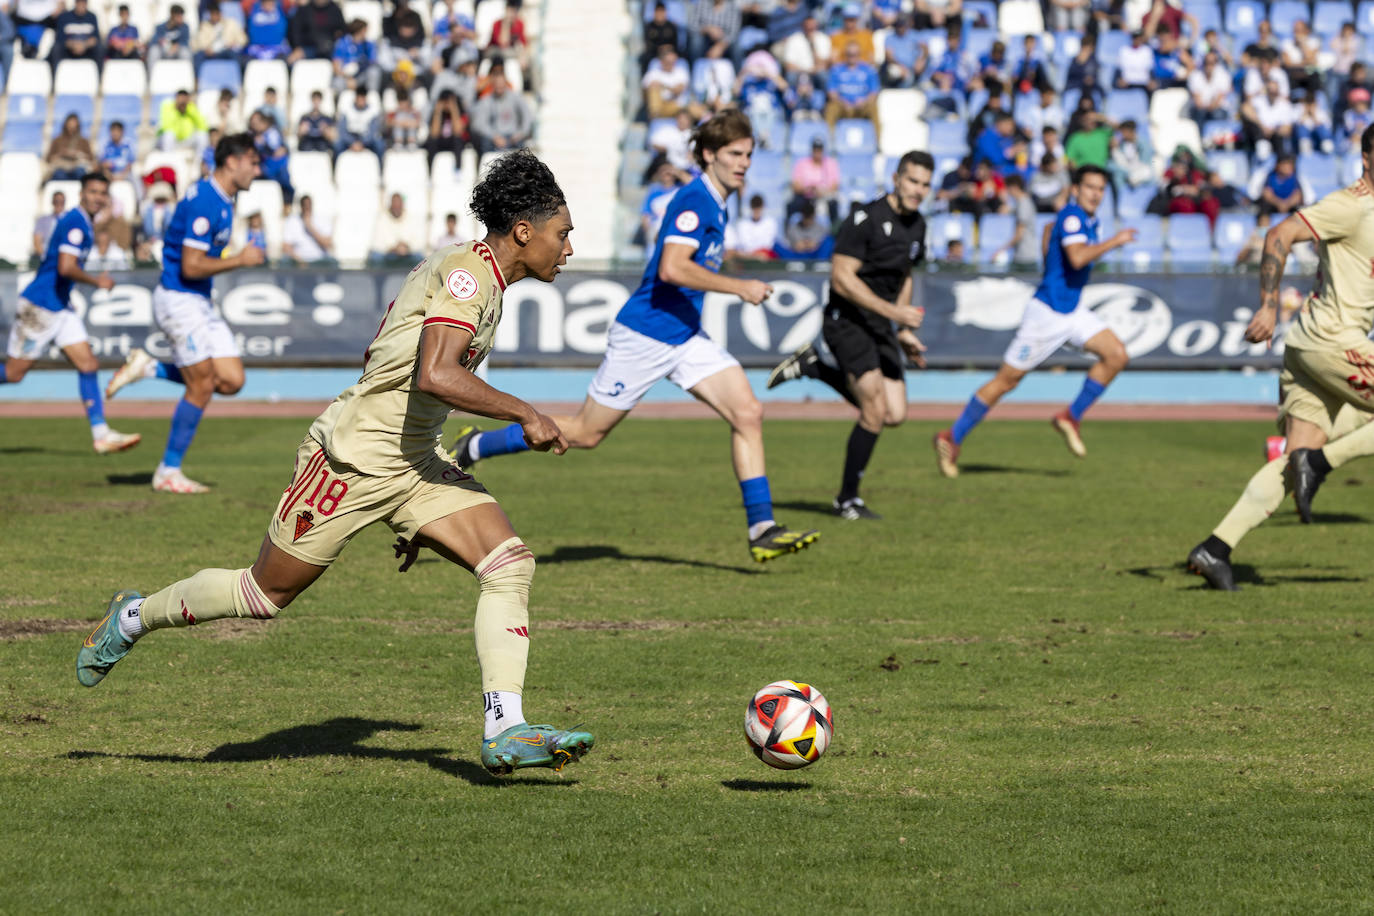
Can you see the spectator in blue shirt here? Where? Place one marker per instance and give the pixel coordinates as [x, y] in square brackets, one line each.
[996, 144]
[786, 18]
[171, 39]
[355, 61]
[117, 158]
[7, 35]
[853, 89]
[267, 32]
[123, 42]
[1282, 191]
[1085, 73]
[904, 56]
[994, 69]
[272, 151]
[78, 35]
[1172, 63]
[1029, 74]
[952, 69]
[806, 102]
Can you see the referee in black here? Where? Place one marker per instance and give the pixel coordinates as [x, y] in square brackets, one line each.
[869, 320]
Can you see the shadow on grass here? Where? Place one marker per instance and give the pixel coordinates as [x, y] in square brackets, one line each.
[1324, 518]
[143, 479]
[1245, 574]
[807, 505]
[1008, 469]
[341, 737]
[583, 552]
[22, 450]
[758, 785]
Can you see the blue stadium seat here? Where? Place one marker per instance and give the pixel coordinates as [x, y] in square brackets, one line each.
[984, 10]
[1069, 101]
[1283, 13]
[234, 11]
[768, 169]
[1208, 13]
[1189, 238]
[1243, 16]
[1131, 202]
[23, 137]
[1128, 104]
[1352, 166]
[126, 108]
[994, 232]
[83, 106]
[219, 74]
[155, 105]
[1233, 166]
[1147, 251]
[1041, 221]
[856, 170]
[1231, 232]
[654, 125]
[1319, 168]
[1109, 45]
[948, 138]
[978, 42]
[1364, 17]
[1330, 15]
[945, 227]
[26, 109]
[803, 132]
[855, 135]
[1316, 189]
[676, 10]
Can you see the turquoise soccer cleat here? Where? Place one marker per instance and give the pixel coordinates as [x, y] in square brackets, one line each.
[534, 746]
[104, 646]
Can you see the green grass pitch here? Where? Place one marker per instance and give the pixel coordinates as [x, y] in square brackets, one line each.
[1036, 709]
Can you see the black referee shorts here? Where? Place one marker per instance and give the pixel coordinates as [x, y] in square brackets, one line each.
[859, 348]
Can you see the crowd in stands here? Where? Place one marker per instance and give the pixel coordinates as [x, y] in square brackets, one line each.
[1217, 112]
[409, 76]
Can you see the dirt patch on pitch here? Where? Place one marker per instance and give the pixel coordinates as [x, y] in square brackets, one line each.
[27, 627]
[230, 628]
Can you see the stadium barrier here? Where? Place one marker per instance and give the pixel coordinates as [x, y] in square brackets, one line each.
[326, 317]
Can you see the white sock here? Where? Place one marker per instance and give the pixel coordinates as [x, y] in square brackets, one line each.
[473, 450]
[759, 528]
[163, 469]
[131, 622]
[99, 431]
[503, 711]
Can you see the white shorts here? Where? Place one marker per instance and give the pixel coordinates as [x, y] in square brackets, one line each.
[36, 328]
[634, 362]
[1043, 330]
[193, 330]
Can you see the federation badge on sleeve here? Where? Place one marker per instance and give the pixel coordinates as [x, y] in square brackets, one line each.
[686, 221]
[461, 284]
[200, 226]
[1072, 224]
[74, 236]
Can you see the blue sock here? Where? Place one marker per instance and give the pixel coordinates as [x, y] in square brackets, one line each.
[974, 412]
[90, 397]
[758, 501]
[1092, 390]
[501, 442]
[4, 376]
[185, 419]
[170, 372]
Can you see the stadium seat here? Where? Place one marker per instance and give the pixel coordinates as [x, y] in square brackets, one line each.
[978, 42]
[948, 138]
[485, 18]
[125, 108]
[167, 77]
[855, 135]
[258, 77]
[1234, 167]
[1188, 238]
[215, 75]
[801, 135]
[230, 9]
[1352, 166]
[307, 76]
[264, 198]
[123, 77]
[68, 189]
[995, 231]
[312, 173]
[768, 168]
[358, 171]
[1283, 13]
[1128, 104]
[1169, 137]
[26, 109]
[22, 137]
[1319, 168]
[1243, 16]
[1330, 15]
[1146, 252]
[76, 77]
[444, 168]
[1168, 105]
[406, 171]
[1364, 17]
[83, 106]
[1222, 134]
[179, 161]
[1020, 17]
[125, 198]
[370, 11]
[1109, 45]
[945, 228]
[1208, 14]
[1231, 233]
[28, 77]
[981, 13]
[1131, 202]
[856, 171]
[899, 111]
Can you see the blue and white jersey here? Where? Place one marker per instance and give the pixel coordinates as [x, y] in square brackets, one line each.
[72, 235]
[671, 314]
[203, 219]
[1062, 284]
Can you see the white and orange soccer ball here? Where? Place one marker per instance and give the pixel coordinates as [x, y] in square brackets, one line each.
[788, 725]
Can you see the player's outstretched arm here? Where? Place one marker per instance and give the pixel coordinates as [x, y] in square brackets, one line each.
[70, 268]
[440, 373]
[1083, 254]
[1278, 242]
[676, 267]
[844, 278]
[197, 264]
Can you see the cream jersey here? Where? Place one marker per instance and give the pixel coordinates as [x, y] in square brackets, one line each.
[1340, 311]
[384, 424]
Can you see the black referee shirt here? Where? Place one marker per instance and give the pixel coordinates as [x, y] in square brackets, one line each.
[888, 246]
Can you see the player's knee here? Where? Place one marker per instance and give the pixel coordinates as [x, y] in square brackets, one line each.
[748, 414]
[86, 363]
[508, 568]
[252, 600]
[228, 386]
[13, 372]
[1116, 358]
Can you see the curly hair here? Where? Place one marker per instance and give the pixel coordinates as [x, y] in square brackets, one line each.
[516, 187]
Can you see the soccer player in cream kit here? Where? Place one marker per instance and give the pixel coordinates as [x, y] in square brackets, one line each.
[657, 334]
[205, 357]
[374, 455]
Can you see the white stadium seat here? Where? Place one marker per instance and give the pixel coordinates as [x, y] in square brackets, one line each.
[124, 77]
[369, 11]
[487, 14]
[179, 161]
[899, 111]
[357, 171]
[406, 171]
[20, 174]
[1020, 17]
[1168, 106]
[76, 77]
[167, 77]
[264, 197]
[29, 77]
[306, 77]
[258, 76]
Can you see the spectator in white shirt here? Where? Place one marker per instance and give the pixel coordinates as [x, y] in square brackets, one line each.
[1135, 63]
[1209, 86]
[393, 237]
[1268, 122]
[450, 234]
[106, 255]
[1266, 68]
[753, 236]
[674, 142]
[1300, 56]
[303, 238]
[665, 84]
[807, 51]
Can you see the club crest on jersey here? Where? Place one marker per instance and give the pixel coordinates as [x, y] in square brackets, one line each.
[1072, 224]
[200, 226]
[859, 216]
[461, 284]
[686, 221]
[74, 236]
[887, 227]
[305, 520]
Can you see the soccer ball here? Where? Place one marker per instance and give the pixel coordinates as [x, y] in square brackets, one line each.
[788, 725]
